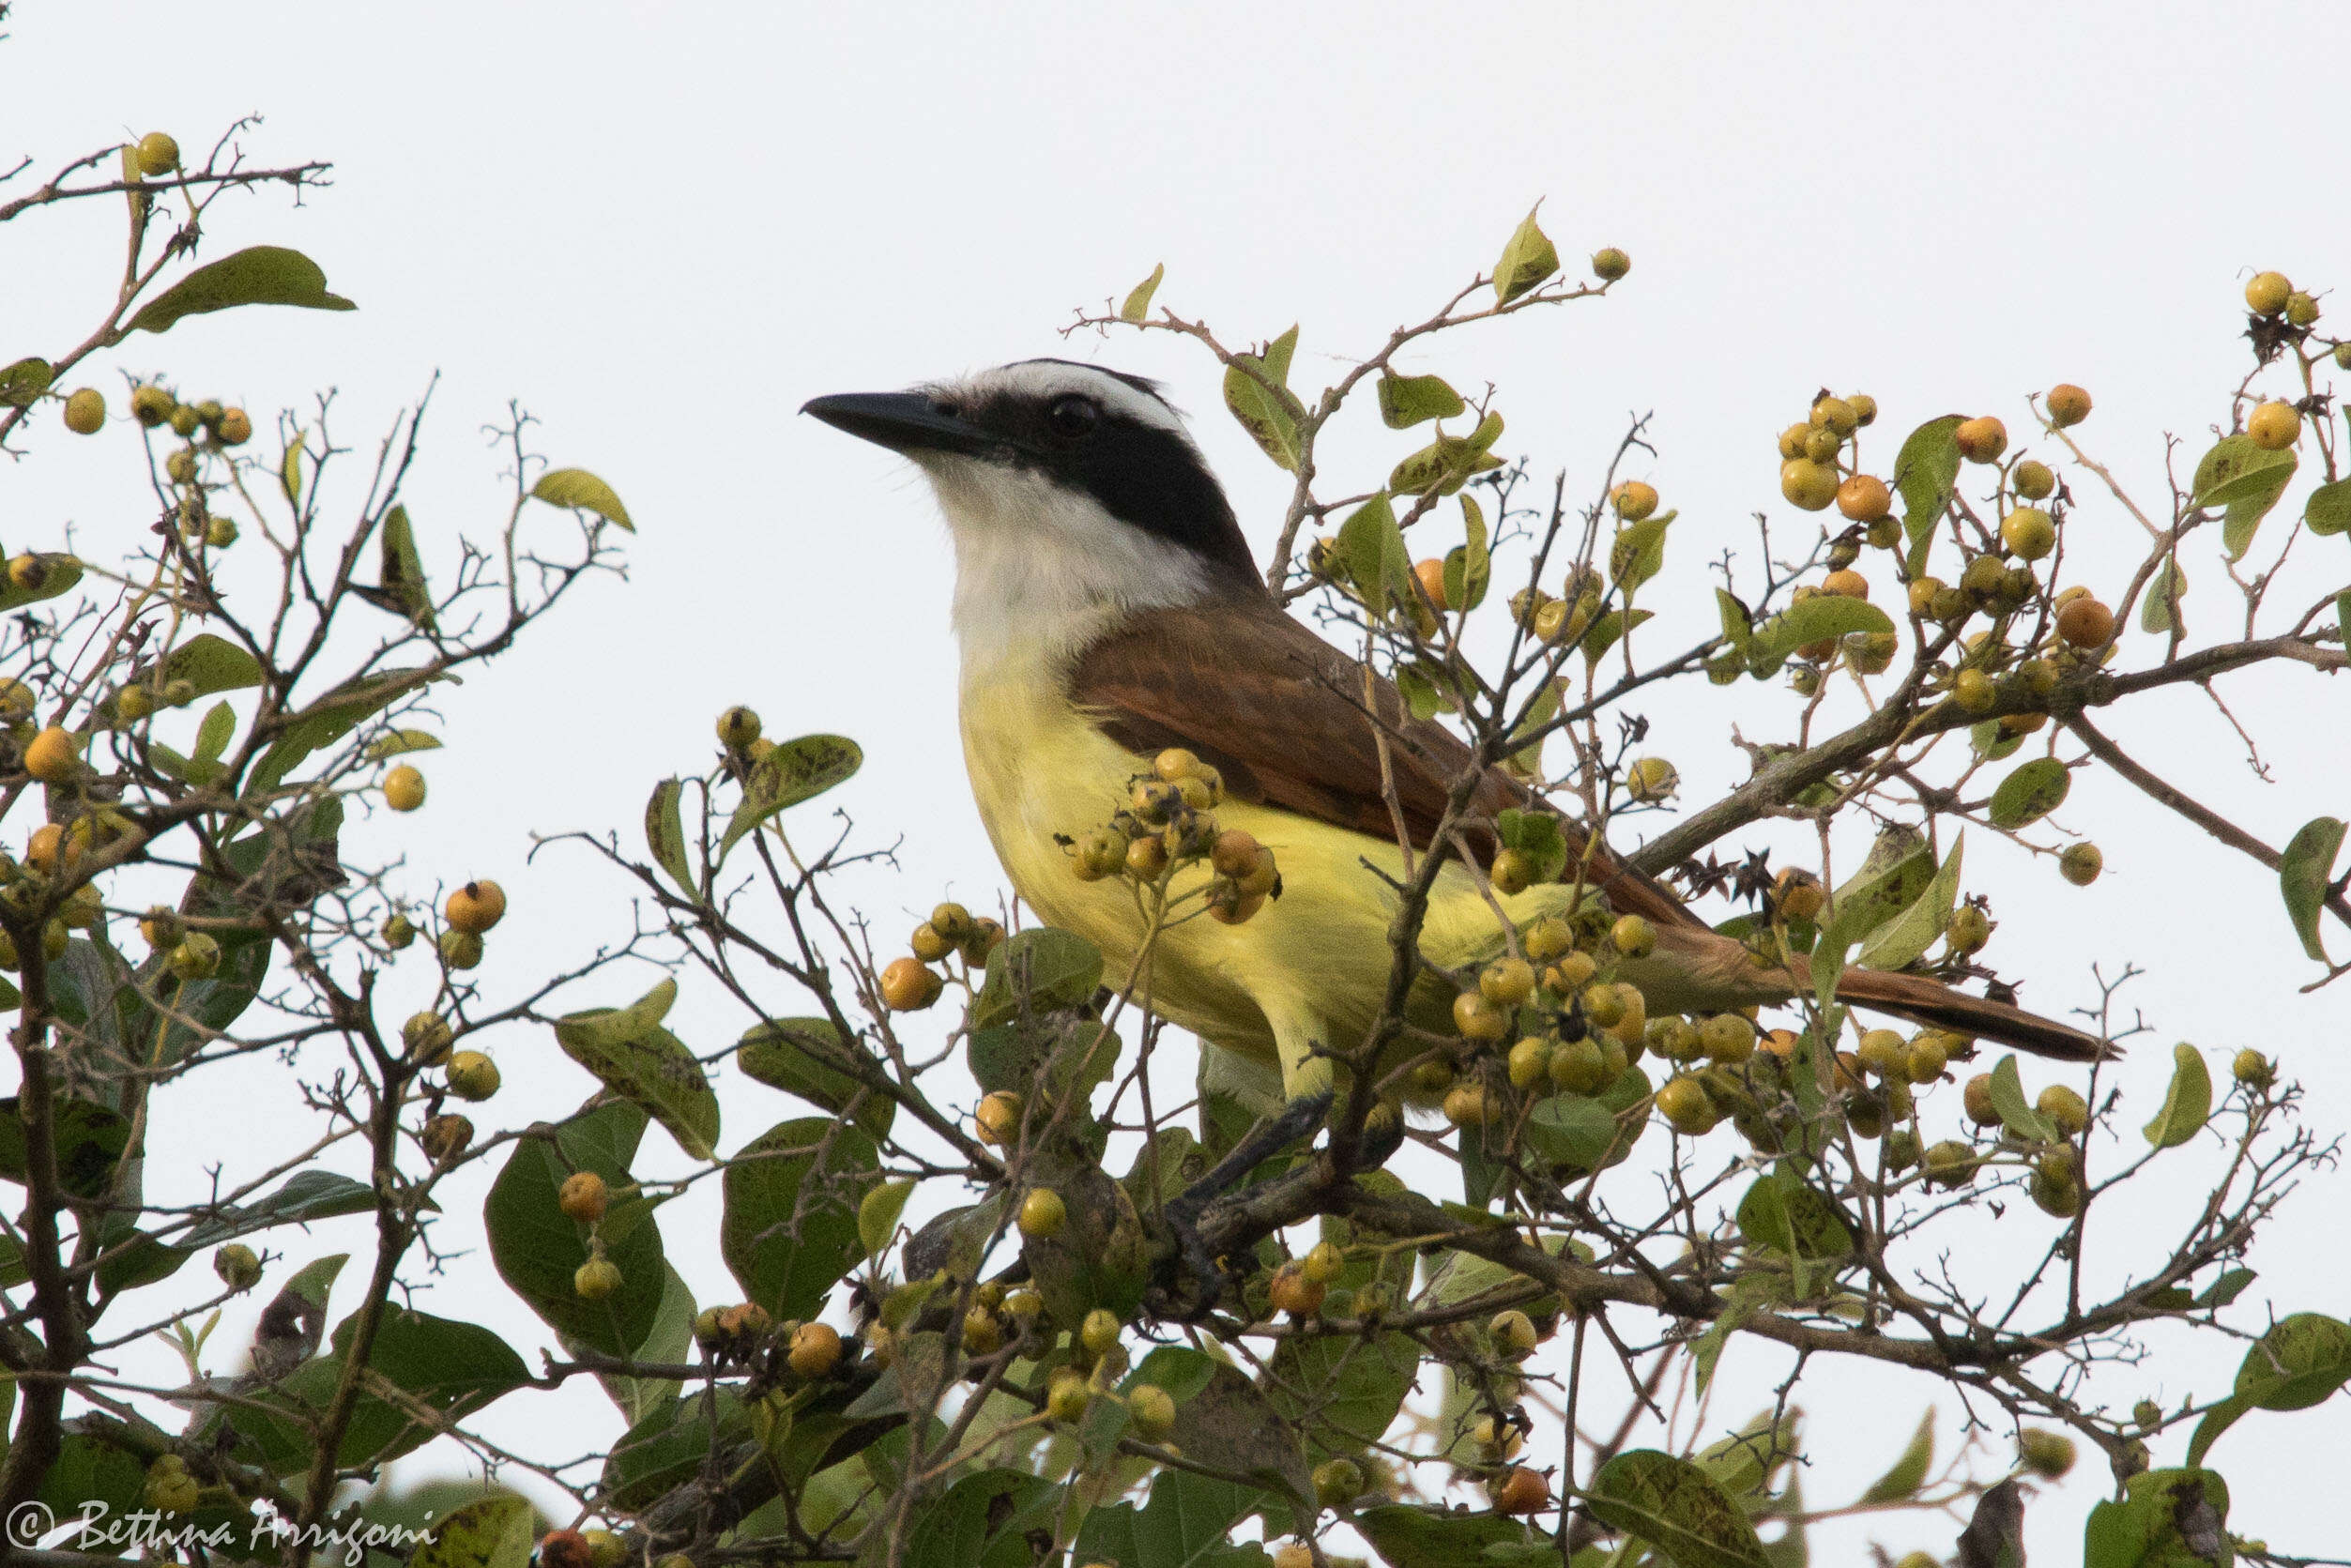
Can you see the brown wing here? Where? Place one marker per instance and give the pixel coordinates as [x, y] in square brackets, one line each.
[1293, 722]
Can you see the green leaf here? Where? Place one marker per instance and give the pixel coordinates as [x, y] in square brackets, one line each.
[2304, 872]
[2187, 1104]
[1188, 1522]
[1406, 401]
[1902, 1480]
[2236, 468]
[1743, 1462]
[581, 491]
[212, 664]
[260, 275]
[2162, 613]
[796, 770]
[1925, 472]
[806, 1056]
[666, 833]
[88, 1140]
[1779, 1213]
[326, 721]
[2030, 793]
[670, 1342]
[1408, 1536]
[638, 1060]
[2299, 1363]
[670, 1446]
[1738, 626]
[1343, 1393]
[2247, 480]
[789, 1230]
[2016, 1114]
[878, 1214]
[1469, 568]
[1264, 404]
[1992, 742]
[495, 1532]
[1136, 305]
[2226, 1288]
[2170, 1518]
[1607, 629]
[400, 742]
[2328, 508]
[22, 382]
[1898, 868]
[1674, 1506]
[1905, 940]
[59, 573]
[403, 570]
[1446, 464]
[1371, 549]
[214, 735]
[2343, 616]
[1816, 620]
[305, 1196]
[1038, 970]
[443, 1369]
[1571, 1130]
[1538, 836]
[1527, 260]
[983, 1521]
[537, 1249]
[1638, 552]
[290, 470]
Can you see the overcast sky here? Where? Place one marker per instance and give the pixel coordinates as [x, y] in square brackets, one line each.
[663, 228]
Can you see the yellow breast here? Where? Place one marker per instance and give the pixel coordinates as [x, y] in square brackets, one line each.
[1312, 963]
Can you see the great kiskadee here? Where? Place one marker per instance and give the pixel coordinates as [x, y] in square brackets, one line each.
[1108, 607]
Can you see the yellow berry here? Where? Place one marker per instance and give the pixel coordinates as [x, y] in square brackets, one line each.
[476, 906]
[1609, 264]
[2267, 293]
[738, 727]
[1042, 1214]
[86, 411]
[1981, 439]
[1808, 485]
[472, 1075]
[1634, 500]
[2275, 426]
[2068, 405]
[816, 1349]
[596, 1279]
[52, 755]
[909, 985]
[156, 154]
[404, 788]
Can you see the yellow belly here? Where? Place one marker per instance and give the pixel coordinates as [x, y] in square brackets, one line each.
[1312, 966]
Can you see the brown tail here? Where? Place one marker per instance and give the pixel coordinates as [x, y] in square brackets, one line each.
[1938, 1007]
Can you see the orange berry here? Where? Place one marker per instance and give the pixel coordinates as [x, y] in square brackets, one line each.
[1864, 498]
[2085, 623]
[2068, 405]
[1981, 439]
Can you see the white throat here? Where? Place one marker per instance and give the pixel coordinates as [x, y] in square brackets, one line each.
[1042, 571]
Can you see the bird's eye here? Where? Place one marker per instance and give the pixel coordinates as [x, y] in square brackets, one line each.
[1072, 418]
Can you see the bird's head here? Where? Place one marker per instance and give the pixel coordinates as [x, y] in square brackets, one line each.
[1068, 488]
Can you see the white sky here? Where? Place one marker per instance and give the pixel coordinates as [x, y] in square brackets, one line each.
[664, 227]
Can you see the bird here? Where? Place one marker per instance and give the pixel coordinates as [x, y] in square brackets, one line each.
[1108, 607]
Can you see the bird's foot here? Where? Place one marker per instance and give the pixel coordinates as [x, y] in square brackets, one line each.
[1270, 1136]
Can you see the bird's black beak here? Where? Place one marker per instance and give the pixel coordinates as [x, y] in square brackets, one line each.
[901, 421]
